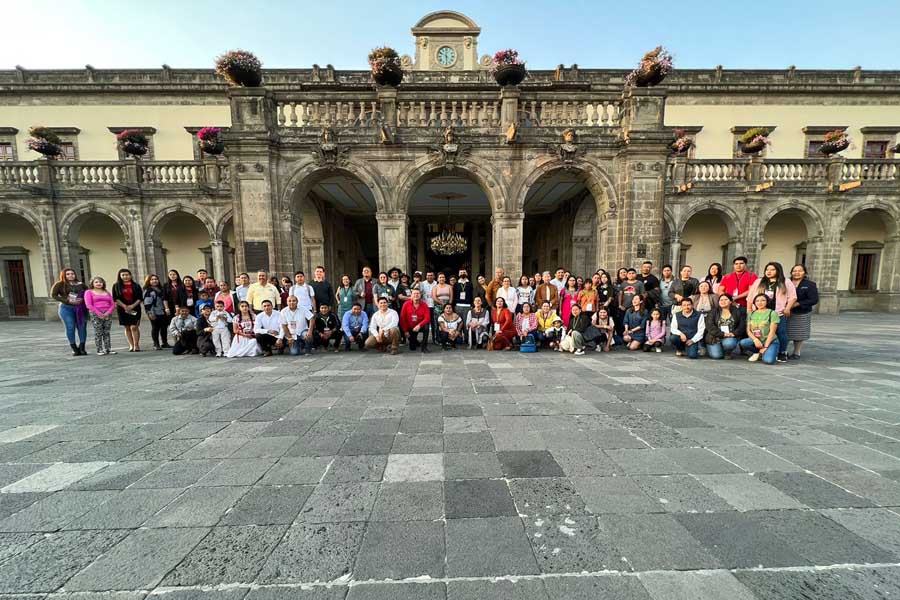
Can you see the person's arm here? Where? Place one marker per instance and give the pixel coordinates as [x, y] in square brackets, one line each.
[791, 300]
[442, 325]
[58, 293]
[674, 327]
[701, 329]
[812, 296]
[365, 322]
[257, 326]
[373, 326]
[89, 302]
[773, 330]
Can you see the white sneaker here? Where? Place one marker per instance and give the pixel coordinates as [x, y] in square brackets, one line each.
[598, 349]
[579, 352]
[658, 349]
[101, 352]
[111, 352]
[754, 357]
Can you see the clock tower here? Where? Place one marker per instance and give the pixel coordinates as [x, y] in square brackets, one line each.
[446, 41]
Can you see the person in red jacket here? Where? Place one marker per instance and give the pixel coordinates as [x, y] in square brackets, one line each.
[503, 325]
[737, 283]
[414, 319]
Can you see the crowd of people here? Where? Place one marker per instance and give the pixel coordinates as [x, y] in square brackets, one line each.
[719, 316]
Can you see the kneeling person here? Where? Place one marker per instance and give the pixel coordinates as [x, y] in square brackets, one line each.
[295, 327]
[205, 331]
[268, 329]
[326, 329]
[356, 327]
[183, 330]
[384, 328]
[415, 317]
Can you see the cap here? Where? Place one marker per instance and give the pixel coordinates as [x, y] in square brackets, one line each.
[557, 319]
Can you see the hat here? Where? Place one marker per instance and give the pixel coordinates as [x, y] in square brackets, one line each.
[419, 273]
[557, 319]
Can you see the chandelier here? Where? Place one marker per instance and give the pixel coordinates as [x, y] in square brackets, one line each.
[448, 242]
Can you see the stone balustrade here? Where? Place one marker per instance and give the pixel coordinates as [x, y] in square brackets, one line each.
[99, 174]
[19, 173]
[327, 113]
[869, 169]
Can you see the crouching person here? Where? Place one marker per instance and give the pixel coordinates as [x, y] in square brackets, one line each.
[296, 332]
[183, 330]
[355, 325]
[384, 328]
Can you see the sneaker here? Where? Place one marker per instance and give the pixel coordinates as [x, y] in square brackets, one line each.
[754, 357]
[658, 349]
[110, 351]
[793, 357]
[598, 349]
[101, 352]
[782, 358]
[394, 352]
[579, 352]
[679, 353]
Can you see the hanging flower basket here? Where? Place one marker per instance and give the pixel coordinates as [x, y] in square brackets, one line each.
[754, 140]
[681, 144]
[386, 66]
[652, 69]
[835, 141]
[209, 140]
[507, 68]
[240, 68]
[133, 142]
[44, 141]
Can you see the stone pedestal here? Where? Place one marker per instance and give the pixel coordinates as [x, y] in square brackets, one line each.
[508, 229]
[393, 246]
[387, 101]
[509, 105]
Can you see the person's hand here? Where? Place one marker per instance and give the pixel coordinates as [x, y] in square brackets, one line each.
[416, 328]
[787, 312]
[729, 334]
[208, 330]
[151, 316]
[757, 343]
[351, 339]
[683, 338]
[309, 334]
[167, 311]
[689, 343]
[279, 343]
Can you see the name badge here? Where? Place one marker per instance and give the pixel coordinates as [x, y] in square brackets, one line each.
[190, 301]
[726, 329]
[292, 326]
[496, 326]
[589, 307]
[415, 318]
[462, 295]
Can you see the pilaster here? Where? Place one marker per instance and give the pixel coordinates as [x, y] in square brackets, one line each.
[508, 230]
[509, 105]
[393, 241]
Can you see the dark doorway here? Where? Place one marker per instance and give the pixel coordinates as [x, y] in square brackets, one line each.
[18, 289]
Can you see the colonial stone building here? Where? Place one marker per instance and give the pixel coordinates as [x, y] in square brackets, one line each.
[323, 167]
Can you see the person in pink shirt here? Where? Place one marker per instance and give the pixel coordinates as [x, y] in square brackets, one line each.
[100, 305]
[656, 331]
[781, 294]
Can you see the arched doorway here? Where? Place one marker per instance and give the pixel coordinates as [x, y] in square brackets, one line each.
[705, 240]
[560, 228]
[784, 239]
[335, 225]
[458, 203]
[867, 250]
[97, 247]
[22, 268]
[182, 243]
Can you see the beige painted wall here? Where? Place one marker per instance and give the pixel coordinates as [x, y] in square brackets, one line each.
[182, 237]
[16, 231]
[782, 235]
[705, 233]
[867, 226]
[788, 139]
[95, 142]
[105, 241]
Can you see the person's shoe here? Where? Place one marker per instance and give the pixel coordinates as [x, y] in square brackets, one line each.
[754, 357]
[75, 351]
[658, 349]
[579, 352]
[165, 345]
[679, 353]
[137, 349]
[156, 347]
[729, 356]
[81, 349]
[101, 352]
[793, 357]
[782, 358]
[394, 352]
[111, 352]
[196, 351]
[267, 353]
[425, 350]
[647, 348]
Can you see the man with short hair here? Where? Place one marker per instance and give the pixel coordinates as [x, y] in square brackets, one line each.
[242, 288]
[355, 325]
[183, 329]
[200, 281]
[651, 285]
[425, 287]
[560, 280]
[665, 285]
[306, 297]
[362, 291]
[384, 328]
[262, 290]
[463, 292]
[295, 327]
[547, 292]
[326, 329]
[267, 328]
[414, 321]
[688, 328]
[490, 290]
[737, 283]
[322, 289]
[630, 288]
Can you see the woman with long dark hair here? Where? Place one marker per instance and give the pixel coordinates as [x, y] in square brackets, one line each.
[243, 344]
[156, 305]
[762, 327]
[504, 327]
[173, 289]
[781, 295]
[714, 277]
[69, 292]
[800, 324]
[129, 297]
[190, 295]
[725, 326]
[568, 298]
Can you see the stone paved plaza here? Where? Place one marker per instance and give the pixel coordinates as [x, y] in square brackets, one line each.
[461, 475]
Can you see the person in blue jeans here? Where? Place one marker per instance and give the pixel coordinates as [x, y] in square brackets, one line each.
[688, 327]
[355, 326]
[762, 330]
[725, 326]
[69, 292]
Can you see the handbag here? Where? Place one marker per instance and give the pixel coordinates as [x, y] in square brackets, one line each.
[528, 345]
[490, 343]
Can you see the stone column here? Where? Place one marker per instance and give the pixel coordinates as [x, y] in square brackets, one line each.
[387, 101]
[393, 241]
[508, 229]
[137, 245]
[218, 258]
[420, 246]
[476, 250]
[826, 258]
[509, 105]
[888, 298]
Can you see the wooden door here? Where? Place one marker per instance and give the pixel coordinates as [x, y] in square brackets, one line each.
[17, 287]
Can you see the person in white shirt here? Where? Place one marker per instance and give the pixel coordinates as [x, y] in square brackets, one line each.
[384, 328]
[268, 329]
[295, 327]
[242, 288]
[306, 297]
[220, 321]
[425, 287]
[508, 293]
[560, 280]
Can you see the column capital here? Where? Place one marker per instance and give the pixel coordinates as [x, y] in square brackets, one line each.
[501, 217]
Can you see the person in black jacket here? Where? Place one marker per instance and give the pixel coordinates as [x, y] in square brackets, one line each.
[463, 294]
[327, 329]
[726, 324]
[129, 297]
[800, 324]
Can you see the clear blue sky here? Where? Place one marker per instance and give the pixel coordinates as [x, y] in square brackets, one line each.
[823, 34]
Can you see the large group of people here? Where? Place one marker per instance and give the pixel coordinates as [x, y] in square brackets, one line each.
[719, 316]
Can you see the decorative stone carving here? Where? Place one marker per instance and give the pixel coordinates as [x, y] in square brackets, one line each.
[467, 41]
[406, 61]
[258, 168]
[451, 151]
[568, 149]
[329, 154]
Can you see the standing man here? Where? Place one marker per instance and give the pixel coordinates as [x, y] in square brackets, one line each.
[306, 297]
[651, 285]
[261, 291]
[737, 283]
[295, 327]
[463, 292]
[414, 321]
[490, 291]
[547, 292]
[362, 290]
[384, 328]
[243, 287]
[560, 280]
[665, 285]
[355, 326]
[425, 287]
[267, 328]
[630, 288]
[324, 293]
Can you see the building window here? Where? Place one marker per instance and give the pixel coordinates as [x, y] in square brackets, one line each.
[198, 154]
[738, 130]
[800, 256]
[878, 142]
[815, 136]
[876, 149]
[148, 131]
[7, 151]
[812, 148]
[69, 142]
[68, 151]
[864, 266]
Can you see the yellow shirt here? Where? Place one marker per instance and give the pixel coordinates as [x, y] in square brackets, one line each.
[545, 324]
[257, 293]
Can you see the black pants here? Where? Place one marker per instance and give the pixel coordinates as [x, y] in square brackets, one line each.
[359, 337]
[159, 329]
[444, 339]
[415, 336]
[186, 343]
[266, 341]
[335, 337]
[205, 344]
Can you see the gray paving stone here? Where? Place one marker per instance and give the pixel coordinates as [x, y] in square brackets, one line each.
[367, 443]
[877, 525]
[571, 544]
[880, 490]
[12, 473]
[488, 547]
[163, 450]
[700, 461]
[227, 555]
[590, 588]
[680, 493]
[409, 501]
[265, 447]
[480, 441]
[401, 550]
[109, 451]
[139, 561]
[201, 594]
[297, 470]
[528, 463]
[756, 460]
[10, 504]
[127, 510]
[655, 542]
[237, 472]
[709, 585]
[546, 496]
[177, 473]
[586, 463]
[268, 505]
[794, 585]
[471, 465]
[312, 552]
[54, 511]
[466, 498]
[340, 502]
[603, 495]
[745, 492]
[522, 589]
[198, 507]
[418, 443]
[644, 462]
[117, 476]
[214, 447]
[53, 477]
[398, 591]
[12, 544]
[813, 491]
[414, 467]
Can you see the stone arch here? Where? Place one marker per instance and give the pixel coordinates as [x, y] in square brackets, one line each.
[106, 260]
[733, 221]
[423, 170]
[33, 218]
[810, 215]
[887, 212]
[75, 217]
[304, 178]
[220, 225]
[596, 180]
[445, 14]
[160, 218]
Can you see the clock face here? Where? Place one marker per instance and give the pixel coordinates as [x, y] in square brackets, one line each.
[446, 56]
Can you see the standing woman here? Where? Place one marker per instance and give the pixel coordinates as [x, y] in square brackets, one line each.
[588, 299]
[174, 290]
[705, 300]
[190, 295]
[157, 308]
[714, 277]
[344, 296]
[129, 297]
[508, 293]
[781, 295]
[69, 292]
[567, 299]
[524, 293]
[606, 291]
[504, 327]
[799, 325]
[100, 304]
